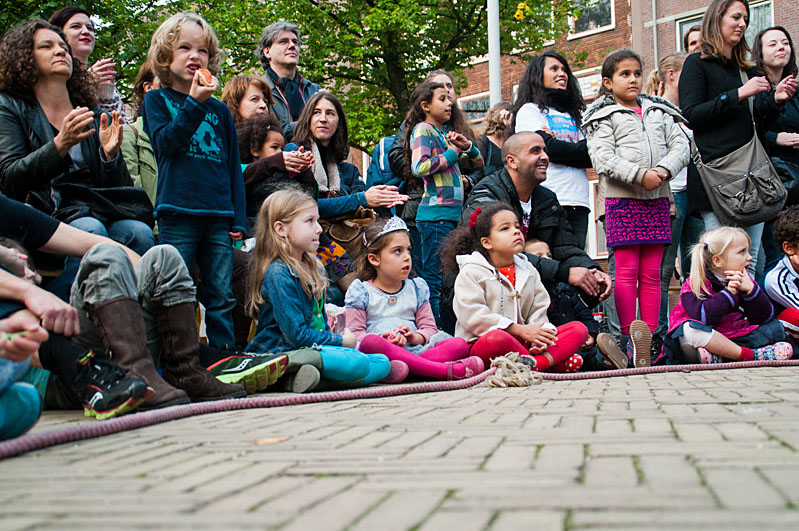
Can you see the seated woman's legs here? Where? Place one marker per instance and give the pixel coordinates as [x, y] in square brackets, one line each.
[133, 234]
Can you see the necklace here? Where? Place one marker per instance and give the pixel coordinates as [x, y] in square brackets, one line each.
[392, 295]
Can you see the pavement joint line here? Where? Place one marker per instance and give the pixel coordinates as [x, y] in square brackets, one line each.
[785, 498]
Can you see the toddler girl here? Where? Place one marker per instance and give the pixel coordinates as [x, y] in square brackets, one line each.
[288, 297]
[390, 313]
[636, 147]
[433, 156]
[723, 314]
[500, 303]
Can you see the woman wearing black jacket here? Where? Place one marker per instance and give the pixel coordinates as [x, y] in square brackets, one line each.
[713, 98]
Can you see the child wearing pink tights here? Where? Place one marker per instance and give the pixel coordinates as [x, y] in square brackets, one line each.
[500, 302]
[390, 314]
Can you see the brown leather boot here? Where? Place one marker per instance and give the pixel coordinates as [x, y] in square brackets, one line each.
[122, 329]
[180, 355]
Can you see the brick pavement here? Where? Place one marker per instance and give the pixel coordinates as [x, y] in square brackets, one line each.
[665, 451]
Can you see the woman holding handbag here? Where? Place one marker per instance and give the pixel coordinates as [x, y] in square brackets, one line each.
[728, 113]
[52, 134]
[775, 58]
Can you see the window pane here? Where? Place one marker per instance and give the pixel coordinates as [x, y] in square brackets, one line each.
[759, 19]
[595, 15]
[476, 108]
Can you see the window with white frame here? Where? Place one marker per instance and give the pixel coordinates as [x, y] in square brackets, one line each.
[684, 26]
[596, 16]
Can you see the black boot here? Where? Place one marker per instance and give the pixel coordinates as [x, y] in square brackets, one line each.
[122, 329]
[180, 355]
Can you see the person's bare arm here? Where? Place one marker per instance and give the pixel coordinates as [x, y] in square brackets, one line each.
[75, 242]
[56, 315]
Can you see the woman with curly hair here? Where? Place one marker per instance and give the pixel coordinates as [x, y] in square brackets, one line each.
[490, 142]
[51, 129]
[550, 103]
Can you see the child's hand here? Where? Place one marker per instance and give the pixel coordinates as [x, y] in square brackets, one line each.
[202, 92]
[588, 343]
[396, 338]
[458, 140]
[537, 335]
[741, 279]
[348, 339]
[236, 235]
[652, 180]
[415, 338]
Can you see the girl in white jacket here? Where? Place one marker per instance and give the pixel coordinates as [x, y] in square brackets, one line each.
[636, 147]
[500, 302]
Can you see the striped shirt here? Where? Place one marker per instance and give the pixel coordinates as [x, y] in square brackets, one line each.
[782, 284]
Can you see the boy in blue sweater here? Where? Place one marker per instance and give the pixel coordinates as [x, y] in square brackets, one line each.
[200, 203]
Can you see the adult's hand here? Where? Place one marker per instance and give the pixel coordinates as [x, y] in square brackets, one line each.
[788, 139]
[583, 278]
[20, 347]
[73, 129]
[605, 283]
[104, 71]
[111, 134]
[297, 161]
[755, 85]
[384, 195]
[785, 90]
[56, 315]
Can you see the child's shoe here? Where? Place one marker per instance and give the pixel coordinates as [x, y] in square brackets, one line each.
[398, 373]
[612, 355]
[472, 366]
[306, 379]
[641, 343]
[104, 389]
[255, 373]
[706, 357]
[571, 364]
[20, 408]
[777, 351]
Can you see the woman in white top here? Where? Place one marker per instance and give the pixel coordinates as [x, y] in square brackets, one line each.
[549, 102]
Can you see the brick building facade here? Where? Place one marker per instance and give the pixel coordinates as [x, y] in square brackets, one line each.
[606, 26]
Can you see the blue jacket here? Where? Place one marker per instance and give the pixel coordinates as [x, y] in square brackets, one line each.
[197, 151]
[285, 315]
[351, 184]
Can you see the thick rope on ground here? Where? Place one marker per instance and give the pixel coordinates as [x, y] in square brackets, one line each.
[667, 368]
[510, 373]
[84, 431]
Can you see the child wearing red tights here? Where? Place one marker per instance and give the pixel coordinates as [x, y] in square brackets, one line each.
[390, 313]
[500, 303]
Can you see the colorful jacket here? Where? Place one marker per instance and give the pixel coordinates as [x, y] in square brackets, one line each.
[730, 315]
[437, 165]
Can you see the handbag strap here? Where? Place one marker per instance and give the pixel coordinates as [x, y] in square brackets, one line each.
[744, 79]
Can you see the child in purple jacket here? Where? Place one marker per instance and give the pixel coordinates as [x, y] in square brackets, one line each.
[723, 315]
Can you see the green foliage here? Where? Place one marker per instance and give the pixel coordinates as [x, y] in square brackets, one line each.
[369, 52]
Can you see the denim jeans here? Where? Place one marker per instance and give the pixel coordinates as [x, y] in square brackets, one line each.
[770, 252]
[685, 232]
[205, 239]
[578, 218]
[755, 233]
[432, 234]
[134, 235]
[106, 274]
[416, 248]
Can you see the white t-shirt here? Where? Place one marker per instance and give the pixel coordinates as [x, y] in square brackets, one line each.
[680, 181]
[569, 184]
[527, 209]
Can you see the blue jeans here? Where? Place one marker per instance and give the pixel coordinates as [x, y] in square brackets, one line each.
[416, 249]
[432, 234]
[685, 232]
[770, 252]
[134, 235]
[205, 239]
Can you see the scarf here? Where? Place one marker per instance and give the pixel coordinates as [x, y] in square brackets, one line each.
[327, 177]
[558, 99]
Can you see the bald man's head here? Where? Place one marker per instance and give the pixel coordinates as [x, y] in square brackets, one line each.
[526, 158]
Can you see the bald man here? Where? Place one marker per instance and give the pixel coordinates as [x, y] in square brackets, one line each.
[541, 215]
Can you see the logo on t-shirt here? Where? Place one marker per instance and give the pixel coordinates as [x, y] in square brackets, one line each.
[205, 144]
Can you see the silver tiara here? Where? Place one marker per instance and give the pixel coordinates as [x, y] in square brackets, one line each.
[392, 225]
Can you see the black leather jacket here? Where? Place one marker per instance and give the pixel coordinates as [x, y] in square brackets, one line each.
[29, 160]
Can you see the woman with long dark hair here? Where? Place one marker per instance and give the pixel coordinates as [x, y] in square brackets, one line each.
[549, 102]
[713, 98]
[775, 58]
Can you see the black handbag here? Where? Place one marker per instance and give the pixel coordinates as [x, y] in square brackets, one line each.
[75, 200]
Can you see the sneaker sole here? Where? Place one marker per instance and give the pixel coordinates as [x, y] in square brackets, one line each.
[641, 337]
[607, 346]
[126, 407]
[306, 379]
[256, 378]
